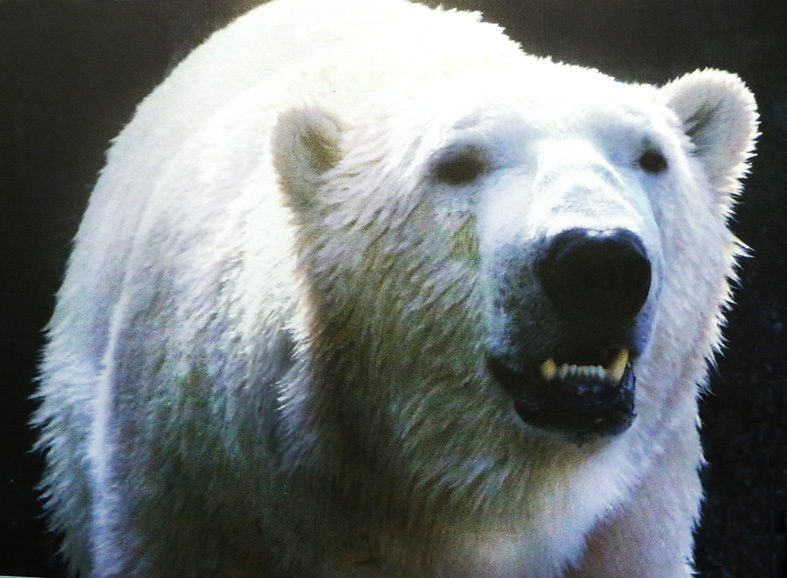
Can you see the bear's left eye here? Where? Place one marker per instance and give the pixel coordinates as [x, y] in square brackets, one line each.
[652, 161]
[460, 167]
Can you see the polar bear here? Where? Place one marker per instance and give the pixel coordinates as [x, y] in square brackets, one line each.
[366, 291]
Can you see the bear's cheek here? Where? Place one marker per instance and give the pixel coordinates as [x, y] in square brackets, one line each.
[698, 256]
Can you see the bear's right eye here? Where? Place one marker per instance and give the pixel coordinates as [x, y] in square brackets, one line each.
[461, 167]
[652, 161]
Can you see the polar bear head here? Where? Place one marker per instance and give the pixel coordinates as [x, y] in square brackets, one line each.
[543, 255]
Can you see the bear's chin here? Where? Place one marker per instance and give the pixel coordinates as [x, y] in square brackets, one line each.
[576, 407]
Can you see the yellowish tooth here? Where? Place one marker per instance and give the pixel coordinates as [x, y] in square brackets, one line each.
[617, 366]
[548, 369]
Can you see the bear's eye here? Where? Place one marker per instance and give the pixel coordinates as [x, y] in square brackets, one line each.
[652, 161]
[460, 167]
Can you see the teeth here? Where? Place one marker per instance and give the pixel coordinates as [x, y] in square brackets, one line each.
[614, 371]
[617, 367]
[548, 369]
[581, 371]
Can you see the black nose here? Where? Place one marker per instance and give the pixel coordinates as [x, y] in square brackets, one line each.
[599, 275]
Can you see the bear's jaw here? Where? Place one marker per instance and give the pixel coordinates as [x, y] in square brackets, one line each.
[577, 398]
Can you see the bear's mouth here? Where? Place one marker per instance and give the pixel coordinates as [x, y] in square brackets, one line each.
[578, 393]
[610, 365]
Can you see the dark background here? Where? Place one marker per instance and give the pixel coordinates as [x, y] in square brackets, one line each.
[71, 72]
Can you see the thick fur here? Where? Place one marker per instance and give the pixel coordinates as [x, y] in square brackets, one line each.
[268, 356]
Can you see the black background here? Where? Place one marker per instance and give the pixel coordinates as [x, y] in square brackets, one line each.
[71, 72]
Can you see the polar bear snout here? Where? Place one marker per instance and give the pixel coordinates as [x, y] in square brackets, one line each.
[587, 290]
[596, 275]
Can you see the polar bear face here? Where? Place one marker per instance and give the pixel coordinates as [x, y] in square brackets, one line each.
[537, 250]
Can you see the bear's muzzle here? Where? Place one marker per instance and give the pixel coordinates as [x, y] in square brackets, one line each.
[581, 384]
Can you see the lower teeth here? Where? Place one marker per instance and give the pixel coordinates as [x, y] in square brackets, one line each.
[581, 371]
[614, 371]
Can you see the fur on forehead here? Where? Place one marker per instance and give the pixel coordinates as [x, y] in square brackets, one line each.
[393, 139]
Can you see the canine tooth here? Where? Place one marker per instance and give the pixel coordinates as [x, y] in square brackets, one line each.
[548, 369]
[617, 366]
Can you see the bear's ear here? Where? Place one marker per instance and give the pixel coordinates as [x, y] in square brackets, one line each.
[305, 146]
[719, 114]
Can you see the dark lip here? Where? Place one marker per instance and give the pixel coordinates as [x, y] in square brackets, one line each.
[575, 409]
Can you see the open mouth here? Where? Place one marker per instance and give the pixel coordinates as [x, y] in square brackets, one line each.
[579, 393]
[612, 368]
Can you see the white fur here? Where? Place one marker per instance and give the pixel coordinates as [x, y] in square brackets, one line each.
[268, 352]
